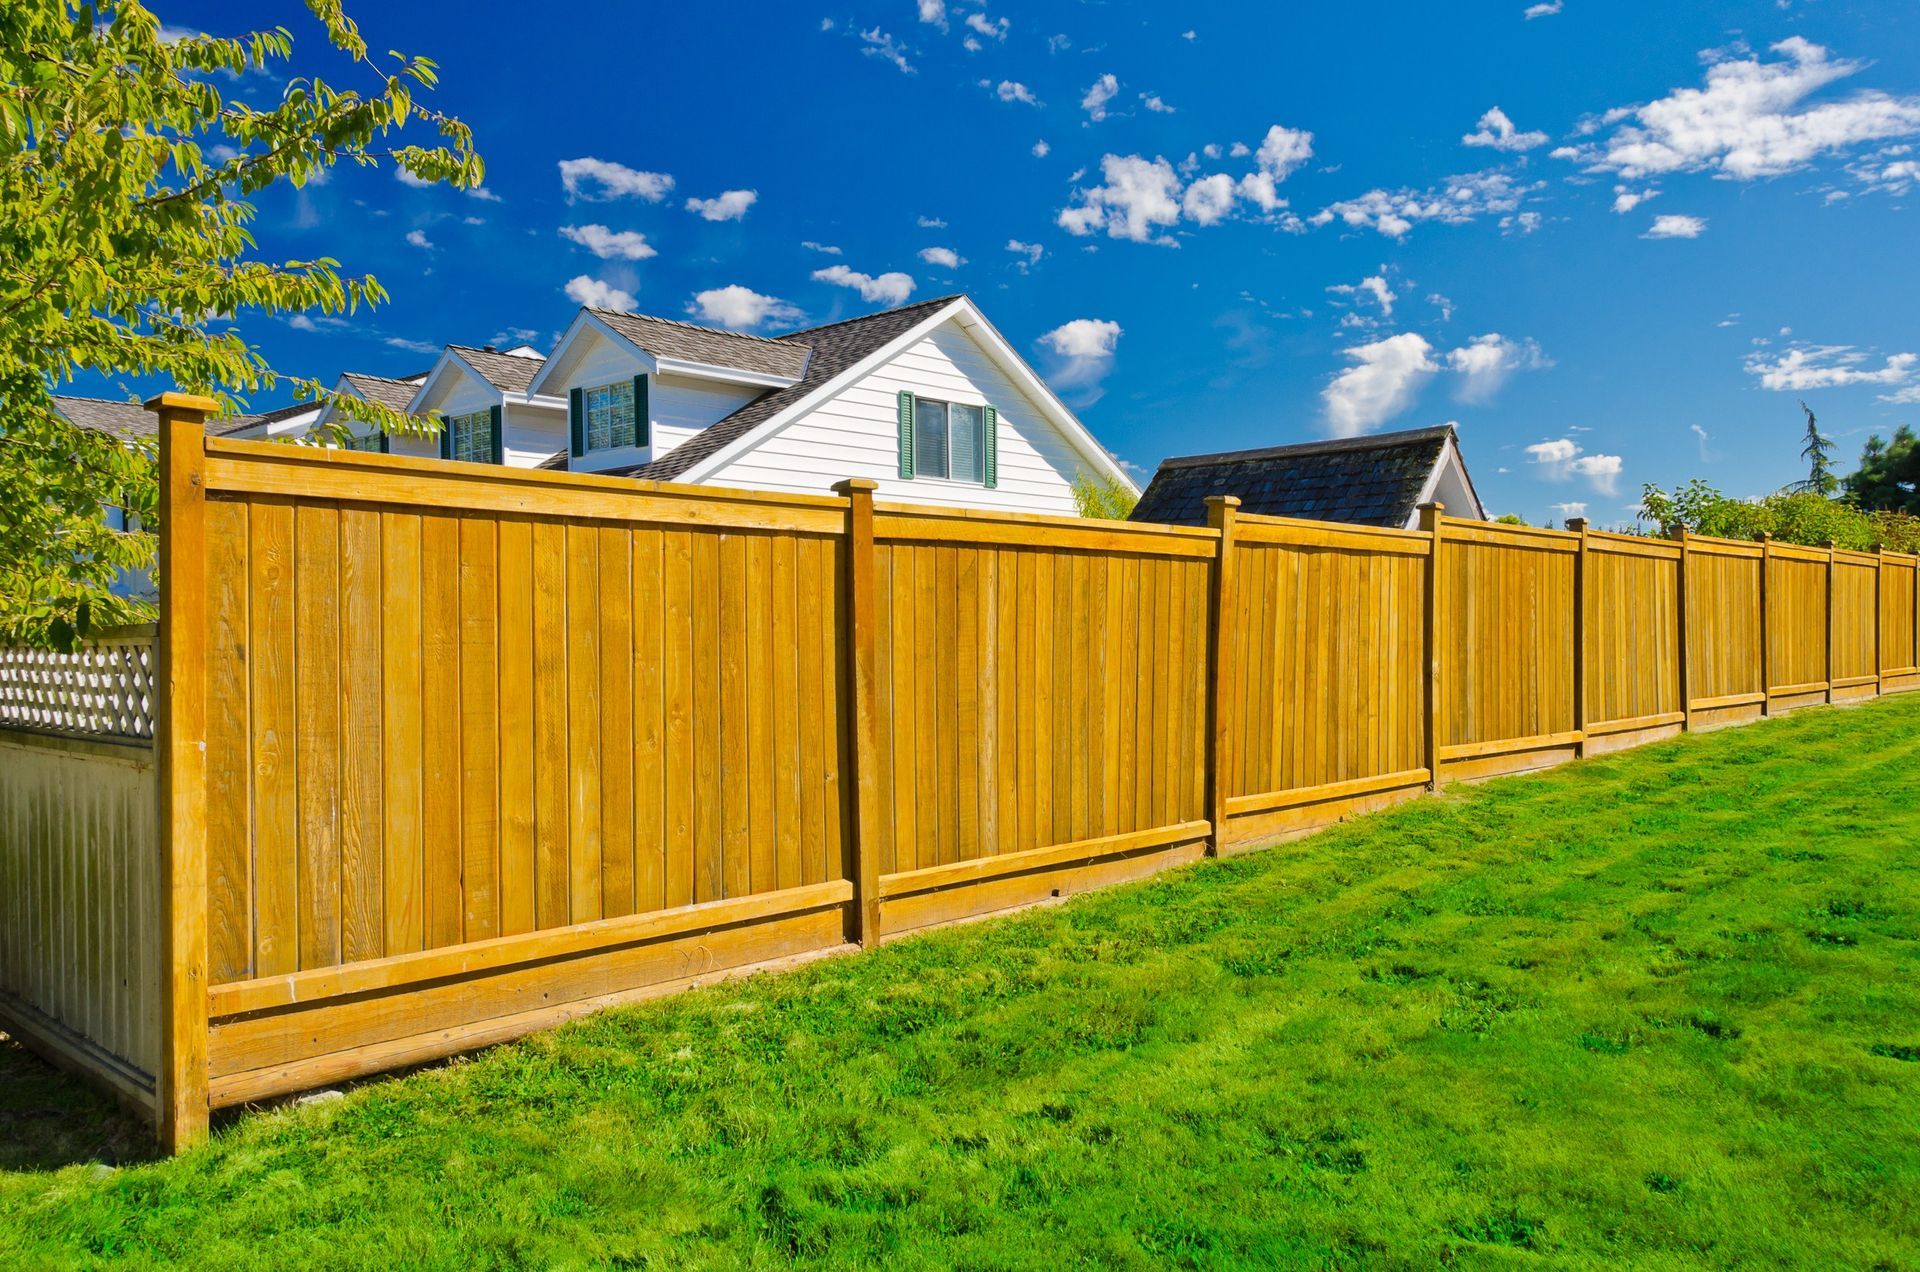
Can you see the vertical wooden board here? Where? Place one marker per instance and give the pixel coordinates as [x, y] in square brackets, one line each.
[1175, 717]
[835, 708]
[403, 734]
[884, 725]
[479, 728]
[1102, 736]
[1126, 625]
[518, 736]
[966, 688]
[940, 674]
[930, 745]
[1041, 701]
[552, 869]
[735, 824]
[584, 756]
[440, 712]
[650, 839]
[1065, 649]
[762, 835]
[987, 768]
[316, 695]
[1006, 602]
[679, 683]
[815, 732]
[362, 588]
[229, 785]
[616, 721]
[1026, 785]
[1079, 740]
[905, 706]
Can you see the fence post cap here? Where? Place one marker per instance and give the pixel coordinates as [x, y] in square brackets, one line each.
[183, 402]
[1830, 545]
[1577, 524]
[1224, 501]
[1434, 504]
[1763, 537]
[856, 486]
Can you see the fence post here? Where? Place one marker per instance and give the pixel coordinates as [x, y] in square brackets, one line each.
[1431, 521]
[1830, 622]
[1686, 630]
[1766, 653]
[860, 664]
[1879, 617]
[181, 746]
[1221, 516]
[1578, 525]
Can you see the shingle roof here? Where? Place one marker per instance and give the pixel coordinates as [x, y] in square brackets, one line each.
[123, 419]
[666, 338]
[240, 423]
[388, 392]
[835, 347]
[1368, 481]
[508, 372]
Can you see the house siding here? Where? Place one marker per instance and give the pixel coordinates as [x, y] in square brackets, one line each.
[678, 406]
[533, 433]
[855, 434]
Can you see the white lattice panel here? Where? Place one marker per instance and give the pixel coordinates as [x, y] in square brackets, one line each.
[102, 690]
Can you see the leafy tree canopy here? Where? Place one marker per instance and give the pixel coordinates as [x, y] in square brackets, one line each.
[125, 250]
[1104, 498]
[1791, 516]
[1889, 474]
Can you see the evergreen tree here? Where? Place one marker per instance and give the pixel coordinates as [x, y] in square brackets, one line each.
[1818, 452]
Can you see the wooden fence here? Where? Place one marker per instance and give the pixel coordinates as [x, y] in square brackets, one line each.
[450, 753]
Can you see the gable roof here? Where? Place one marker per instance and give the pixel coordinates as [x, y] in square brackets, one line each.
[508, 372]
[709, 346]
[241, 423]
[122, 419]
[1368, 481]
[387, 391]
[835, 347]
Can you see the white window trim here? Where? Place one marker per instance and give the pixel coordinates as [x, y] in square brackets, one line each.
[586, 423]
[485, 417]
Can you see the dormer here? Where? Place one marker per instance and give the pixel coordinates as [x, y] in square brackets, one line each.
[635, 387]
[489, 409]
[393, 393]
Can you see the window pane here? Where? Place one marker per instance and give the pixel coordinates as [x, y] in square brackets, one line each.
[963, 430]
[473, 437]
[599, 422]
[620, 428]
[610, 421]
[929, 438]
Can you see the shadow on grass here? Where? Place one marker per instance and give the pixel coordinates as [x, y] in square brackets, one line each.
[50, 1119]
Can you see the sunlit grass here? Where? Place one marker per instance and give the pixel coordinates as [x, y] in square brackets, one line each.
[1659, 1008]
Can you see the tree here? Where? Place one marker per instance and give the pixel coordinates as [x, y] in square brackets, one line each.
[1888, 478]
[1791, 516]
[1104, 498]
[1818, 452]
[125, 249]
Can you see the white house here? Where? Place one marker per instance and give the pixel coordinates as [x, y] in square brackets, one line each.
[928, 399]
[395, 394]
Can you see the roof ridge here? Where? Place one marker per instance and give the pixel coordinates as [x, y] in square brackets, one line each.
[498, 353]
[880, 313]
[372, 375]
[690, 326]
[1403, 437]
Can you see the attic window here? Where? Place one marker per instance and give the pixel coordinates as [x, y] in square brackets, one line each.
[947, 440]
[471, 437]
[609, 416]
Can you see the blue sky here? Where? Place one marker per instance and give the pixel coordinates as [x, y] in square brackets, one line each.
[1213, 226]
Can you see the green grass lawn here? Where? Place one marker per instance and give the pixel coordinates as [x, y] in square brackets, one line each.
[1660, 1008]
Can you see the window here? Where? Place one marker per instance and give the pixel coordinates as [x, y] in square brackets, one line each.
[470, 437]
[610, 421]
[949, 440]
[375, 441]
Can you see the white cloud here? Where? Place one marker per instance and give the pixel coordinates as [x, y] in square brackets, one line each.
[1685, 227]
[1521, 223]
[406, 178]
[1154, 103]
[419, 238]
[1058, 44]
[931, 223]
[1603, 471]
[945, 257]
[826, 24]
[1626, 199]
[1563, 458]
[1041, 150]
[1444, 305]
[1081, 355]
[934, 12]
[1908, 396]
[992, 28]
[1189, 35]
[411, 346]
[1806, 367]
[1375, 286]
[972, 44]
[1282, 151]
[1556, 455]
[1394, 213]
[596, 180]
[1571, 508]
[626, 245]
[741, 309]
[1496, 131]
[1546, 9]
[729, 205]
[591, 292]
[827, 249]
[1102, 92]
[1138, 196]
[1487, 362]
[885, 289]
[1706, 456]
[1386, 378]
[1013, 91]
[1240, 150]
[1031, 251]
[1209, 199]
[883, 46]
[1749, 120]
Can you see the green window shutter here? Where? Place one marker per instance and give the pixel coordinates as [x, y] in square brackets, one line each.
[446, 437]
[992, 443]
[577, 420]
[386, 443]
[642, 425]
[499, 437]
[906, 435]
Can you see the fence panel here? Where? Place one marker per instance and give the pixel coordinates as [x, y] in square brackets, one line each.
[1796, 625]
[1506, 634]
[1725, 667]
[1040, 713]
[1899, 652]
[1856, 648]
[1632, 640]
[1327, 710]
[444, 723]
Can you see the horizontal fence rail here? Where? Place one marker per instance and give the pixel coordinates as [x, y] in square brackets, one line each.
[453, 752]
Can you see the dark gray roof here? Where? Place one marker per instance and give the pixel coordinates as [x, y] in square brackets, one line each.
[388, 392]
[835, 347]
[241, 423]
[1368, 481]
[123, 419]
[666, 338]
[508, 372]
